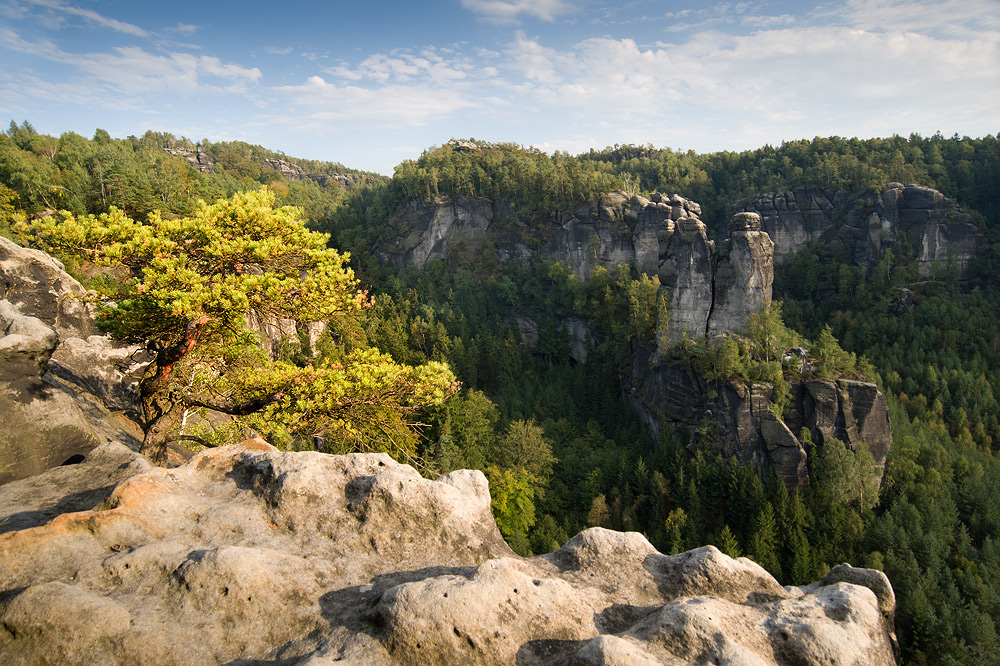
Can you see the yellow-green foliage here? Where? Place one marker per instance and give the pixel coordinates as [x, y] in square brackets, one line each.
[187, 288]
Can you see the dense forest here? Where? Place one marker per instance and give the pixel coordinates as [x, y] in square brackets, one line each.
[561, 449]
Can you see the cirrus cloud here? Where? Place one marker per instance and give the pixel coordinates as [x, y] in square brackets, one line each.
[508, 11]
[59, 11]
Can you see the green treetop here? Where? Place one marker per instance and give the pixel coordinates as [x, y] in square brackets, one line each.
[185, 290]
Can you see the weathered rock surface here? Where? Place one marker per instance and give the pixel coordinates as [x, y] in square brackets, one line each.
[274, 333]
[937, 230]
[205, 163]
[39, 286]
[247, 554]
[40, 426]
[843, 411]
[744, 274]
[60, 383]
[662, 236]
[196, 157]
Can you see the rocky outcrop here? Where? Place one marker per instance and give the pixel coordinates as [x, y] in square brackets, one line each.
[39, 286]
[61, 385]
[936, 229]
[293, 172]
[205, 163]
[196, 157]
[40, 426]
[661, 236]
[840, 412]
[743, 276]
[276, 334]
[250, 555]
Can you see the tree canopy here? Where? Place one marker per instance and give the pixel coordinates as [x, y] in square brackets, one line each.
[186, 289]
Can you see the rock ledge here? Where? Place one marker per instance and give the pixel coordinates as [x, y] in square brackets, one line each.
[247, 554]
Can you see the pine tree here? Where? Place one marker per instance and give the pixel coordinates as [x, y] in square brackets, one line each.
[727, 542]
[764, 540]
[188, 288]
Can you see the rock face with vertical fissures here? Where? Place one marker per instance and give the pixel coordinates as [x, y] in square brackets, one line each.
[708, 289]
[940, 235]
[249, 554]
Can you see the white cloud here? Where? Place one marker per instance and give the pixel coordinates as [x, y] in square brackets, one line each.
[325, 107]
[688, 20]
[185, 28]
[538, 63]
[737, 75]
[404, 67]
[22, 91]
[59, 8]
[714, 89]
[506, 12]
[134, 71]
[13, 41]
[927, 16]
[791, 82]
[767, 21]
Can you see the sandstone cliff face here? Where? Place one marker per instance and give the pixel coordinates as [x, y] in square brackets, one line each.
[60, 383]
[246, 555]
[839, 412]
[743, 276]
[708, 290]
[197, 158]
[936, 228]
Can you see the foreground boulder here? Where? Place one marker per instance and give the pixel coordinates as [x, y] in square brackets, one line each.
[247, 554]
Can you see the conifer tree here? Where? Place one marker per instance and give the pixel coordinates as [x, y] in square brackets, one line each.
[728, 543]
[185, 290]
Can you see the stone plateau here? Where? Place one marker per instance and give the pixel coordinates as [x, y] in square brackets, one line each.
[247, 555]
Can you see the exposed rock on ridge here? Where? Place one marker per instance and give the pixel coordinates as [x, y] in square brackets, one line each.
[835, 412]
[205, 163]
[708, 291]
[935, 227]
[246, 553]
[744, 274]
[197, 158]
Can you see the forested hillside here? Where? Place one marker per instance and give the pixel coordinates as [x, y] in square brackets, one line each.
[548, 424]
[139, 175]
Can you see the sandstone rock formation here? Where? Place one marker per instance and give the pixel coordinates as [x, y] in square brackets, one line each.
[205, 163]
[59, 382]
[249, 555]
[839, 412]
[744, 274]
[196, 157]
[662, 236]
[936, 228]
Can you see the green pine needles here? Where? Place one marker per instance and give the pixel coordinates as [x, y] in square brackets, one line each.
[186, 288]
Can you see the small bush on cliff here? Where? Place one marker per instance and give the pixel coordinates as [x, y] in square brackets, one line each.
[186, 291]
[759, 356]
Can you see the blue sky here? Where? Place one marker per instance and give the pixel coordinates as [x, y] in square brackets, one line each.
[372, 83]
